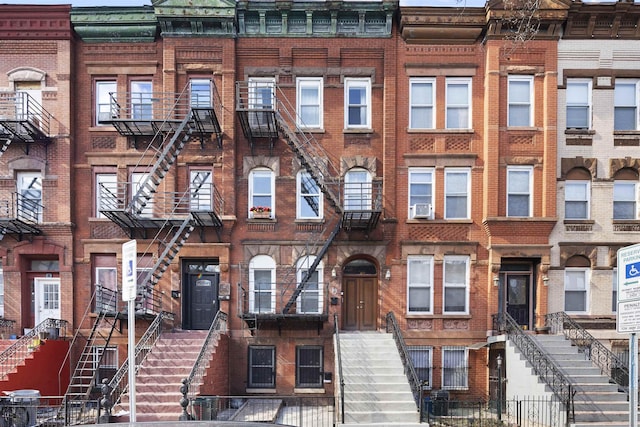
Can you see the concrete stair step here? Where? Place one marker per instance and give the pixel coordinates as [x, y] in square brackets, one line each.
[365, 370]
[614, 396]
[382, 396]
[379, 406]
[375, 387]
[604, 406]
[591, 416]
[382, 418]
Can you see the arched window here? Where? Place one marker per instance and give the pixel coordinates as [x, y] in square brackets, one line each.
[576, 284]
[261, 192]
[262, 284]
[625, 189]
[310, 299]
[577, 194]
[357, 190]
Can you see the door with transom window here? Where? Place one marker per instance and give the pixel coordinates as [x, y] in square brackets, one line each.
[359, 286]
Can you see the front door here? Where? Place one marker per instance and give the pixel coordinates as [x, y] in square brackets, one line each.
[359, 306]
[47, 298]
[517, 297]
[200, 294]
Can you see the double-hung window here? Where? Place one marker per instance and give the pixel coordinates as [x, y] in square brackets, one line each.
[457, 189]
[261, 97]
[520, 94]
[262, 366]
[625, 100]
[105, 91]
[421, 192]
[309, 366]
[578, 104]
[200, 190]
[624, 199]
[421, 103]
[357, 97]
[420, 284]
[29, 186]
[456, 284]
[458, 103]
[141, 98]
[310, 299]
[519, 191]
[310, 200]
[106, 193]
[309, 102]
[358, 190]
[200, 93]
[144, 200]
[421, 356]
[262, 278]
[576, 199]
[454, 368]
[261, 191]
[576, 280]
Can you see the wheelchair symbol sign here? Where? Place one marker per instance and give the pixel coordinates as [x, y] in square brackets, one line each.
[632, 271]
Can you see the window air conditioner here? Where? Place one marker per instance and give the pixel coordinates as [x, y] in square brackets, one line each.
[422, 210]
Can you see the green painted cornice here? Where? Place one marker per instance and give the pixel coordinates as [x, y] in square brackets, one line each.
[114, 24]
[196, 18]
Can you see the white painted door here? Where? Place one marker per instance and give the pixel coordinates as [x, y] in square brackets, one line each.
[47, 298]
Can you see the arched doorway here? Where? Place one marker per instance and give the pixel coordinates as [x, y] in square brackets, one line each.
[360, 295]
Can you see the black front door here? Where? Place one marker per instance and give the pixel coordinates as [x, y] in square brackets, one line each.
[200, 296]
[517, 293]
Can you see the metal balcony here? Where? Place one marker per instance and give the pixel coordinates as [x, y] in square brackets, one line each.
[20, 216]
[22, 119]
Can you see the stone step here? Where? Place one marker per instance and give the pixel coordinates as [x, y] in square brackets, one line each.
[382, 418]
[376, 387]
[379, 406]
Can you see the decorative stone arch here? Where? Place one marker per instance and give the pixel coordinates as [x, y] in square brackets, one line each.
[368, 163]
[588, 253]
[26, 74]
[26, 164]
[616, 165]
[569, 166]
[251, 251]
[374, 253]
[251, 162]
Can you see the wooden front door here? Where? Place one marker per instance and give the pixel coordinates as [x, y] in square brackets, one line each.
[359, 304]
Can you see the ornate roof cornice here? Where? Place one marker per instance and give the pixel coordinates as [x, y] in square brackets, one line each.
[619, 20]
[196, 18]
[442, 24]
[35, 22]
[115, 24]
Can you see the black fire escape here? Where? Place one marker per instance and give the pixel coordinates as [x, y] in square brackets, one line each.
[265, 116]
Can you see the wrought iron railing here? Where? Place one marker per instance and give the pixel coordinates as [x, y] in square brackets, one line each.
[336, 327]
[608, 362]
[194, 380]
[21, 208]
[542, 365]
[6, 327]
[22, 107]
[18, 351]
[407, 362]
[120, 381]
[272, 301]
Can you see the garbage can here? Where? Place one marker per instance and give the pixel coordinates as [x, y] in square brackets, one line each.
[27, 401]
[440, 402]
[204, 408]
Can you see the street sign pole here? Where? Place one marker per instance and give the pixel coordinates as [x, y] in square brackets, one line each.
[129, 292]
[633, 380]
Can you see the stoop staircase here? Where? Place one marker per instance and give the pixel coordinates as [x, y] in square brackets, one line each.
[597, 402]
[159, 378]
[376, 390]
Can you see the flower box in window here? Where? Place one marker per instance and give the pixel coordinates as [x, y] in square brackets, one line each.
[260, 212]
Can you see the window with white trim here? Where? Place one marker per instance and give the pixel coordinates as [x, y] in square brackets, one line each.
[141, 100]
[420, 284]
[421, 356]
[310, 198]
[262, 366]
[421, 103]
[625, 199]
[420, 190]
[576, 289]
[309, 366]
[457, 188]
[578, 104]
[261, 191]
[106, 193]
[455, 371]
[137, 181]
[200, 92]
[358, 190]
[458, 103]
[261, 97]
[29, 188]
[519, 191]
[520, 94]
[262, 284]
[625, 100]
[200, 190]
[576, 199]
[357, 98]
[104, 91]
[309, 102]
[455, 284]
[310, 299]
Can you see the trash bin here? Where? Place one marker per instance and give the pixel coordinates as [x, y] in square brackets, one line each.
[204, 408]
[440, 402]
[27, 400]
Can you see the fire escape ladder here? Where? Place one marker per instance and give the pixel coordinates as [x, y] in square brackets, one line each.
[177, 237]
[312, 268]
[5, 140]
[165, 158]
[84, 375]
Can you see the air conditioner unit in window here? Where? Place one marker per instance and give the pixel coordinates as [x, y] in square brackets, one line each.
[422, 210]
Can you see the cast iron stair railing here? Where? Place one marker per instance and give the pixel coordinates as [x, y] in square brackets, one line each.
[539, 360]
[610, 364]
[23, 119]
[83, 379]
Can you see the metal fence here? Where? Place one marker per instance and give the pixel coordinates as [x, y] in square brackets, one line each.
[521, 412]
[27, 408]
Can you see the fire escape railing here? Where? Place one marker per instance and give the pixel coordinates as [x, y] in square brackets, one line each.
[24, 118]
[20, 215]
[540, 362]
[119, 384]
[610, 364]
[340, 404]
[194, 380]
[409, 369]
[19, 350]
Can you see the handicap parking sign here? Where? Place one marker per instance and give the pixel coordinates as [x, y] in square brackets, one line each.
[632, 271]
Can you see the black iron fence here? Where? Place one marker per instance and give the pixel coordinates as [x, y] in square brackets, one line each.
[28, 408]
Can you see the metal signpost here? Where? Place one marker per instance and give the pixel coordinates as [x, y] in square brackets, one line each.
[129, 292]
[628, 318]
